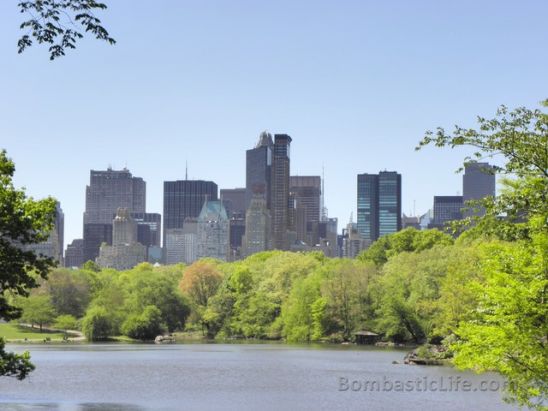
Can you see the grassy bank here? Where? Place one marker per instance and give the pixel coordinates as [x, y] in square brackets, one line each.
[17, 333]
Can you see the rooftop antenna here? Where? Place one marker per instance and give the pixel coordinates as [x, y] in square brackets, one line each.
[186, 170]
[414, 211]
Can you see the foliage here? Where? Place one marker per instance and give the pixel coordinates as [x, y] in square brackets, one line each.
[37, 309]
[55, 22]
[508, 329]
[66, 322]
[409, 239]
[520, 137]
[144, 326]
[14, 365]
[504, 328]
[97, 324]
[70, 291]
[23, 221]
[200, 281]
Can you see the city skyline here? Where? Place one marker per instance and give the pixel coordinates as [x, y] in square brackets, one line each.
[355, 84]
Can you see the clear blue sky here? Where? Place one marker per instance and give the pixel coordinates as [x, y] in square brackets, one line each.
[355, 83]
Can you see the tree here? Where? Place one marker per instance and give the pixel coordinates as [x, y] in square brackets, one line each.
[66, 322]
[200, 281]
[37, 309]
[70, 291]
[508, 329]
[55, 22]
[144, 326]
[23, 220]
[97, 325]
[507, 332]
[520, 137]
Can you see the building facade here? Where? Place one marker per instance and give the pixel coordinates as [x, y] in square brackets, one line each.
[306, 192]
[107, 191]
[213, 237]
[257, 227]
[125, 252]
[379, 204]
[259, 169]
[74, 254]
[279, 209]
[478, 182]
[446, 209]
[184, 199]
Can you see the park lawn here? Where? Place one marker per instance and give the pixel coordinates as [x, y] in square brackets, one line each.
[12, 332]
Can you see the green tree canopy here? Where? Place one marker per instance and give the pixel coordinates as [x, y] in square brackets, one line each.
[23, 221]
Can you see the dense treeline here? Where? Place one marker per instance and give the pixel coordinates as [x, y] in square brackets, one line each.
[408, 287]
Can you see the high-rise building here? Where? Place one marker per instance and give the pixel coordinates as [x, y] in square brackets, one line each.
[446, 209]
[478, 182]
[184, 199]
[74, 254]
[234, 201]
[107, 191]
[306, 193]
[257, 226]
[258, 169]
[213, 238]
[53, 246]
[125, 252]
[279, 198]
[379, 204]
[148, 228]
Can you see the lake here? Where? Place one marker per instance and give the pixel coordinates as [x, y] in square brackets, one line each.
[135, 377]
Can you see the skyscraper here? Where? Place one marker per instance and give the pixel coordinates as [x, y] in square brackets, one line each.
[258, 169]
[183, 199]
[379, 204]
[257, 226]
[478, 182]
[279, 198]
[74, 254]
[306, 192]
[213, 231]
[108, 190]
[53, 246]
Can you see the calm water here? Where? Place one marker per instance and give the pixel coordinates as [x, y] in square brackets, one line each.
[238, 377]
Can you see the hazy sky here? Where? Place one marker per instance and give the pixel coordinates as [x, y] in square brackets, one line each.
[355, 84]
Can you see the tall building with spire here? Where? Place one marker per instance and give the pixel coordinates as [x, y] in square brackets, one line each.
[279, 191]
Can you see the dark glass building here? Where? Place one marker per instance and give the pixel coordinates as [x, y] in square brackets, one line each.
[148, 228]
[183, 199]
[279, 193]
[258, 169]
[446, 209]
[379, 204]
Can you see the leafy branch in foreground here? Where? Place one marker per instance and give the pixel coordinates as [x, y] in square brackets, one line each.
[58, 23]
[520, 137]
